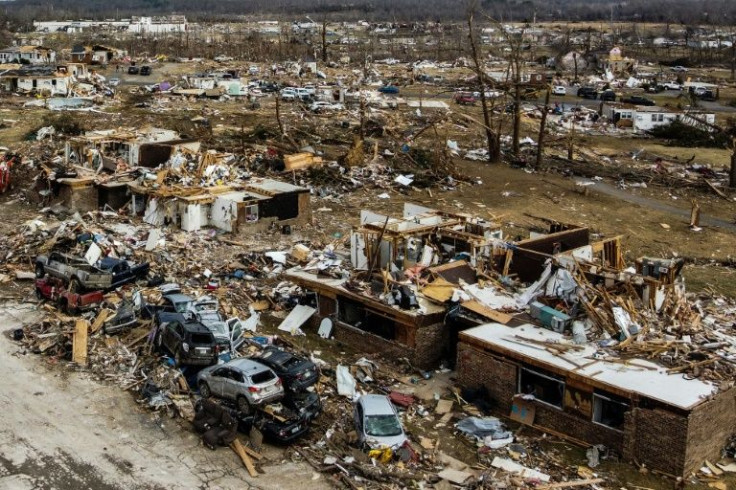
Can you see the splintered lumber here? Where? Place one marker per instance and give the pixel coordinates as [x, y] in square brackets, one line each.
[101, 317]
[239, 449]
[299, 161]
[569, 484]
[79, 342]
[487, 312]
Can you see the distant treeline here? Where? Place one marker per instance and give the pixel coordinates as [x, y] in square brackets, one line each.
[674, 11]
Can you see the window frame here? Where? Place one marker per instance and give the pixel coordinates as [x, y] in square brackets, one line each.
[549, 377]
[598, 398]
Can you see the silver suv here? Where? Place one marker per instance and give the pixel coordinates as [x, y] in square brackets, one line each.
[242, 380]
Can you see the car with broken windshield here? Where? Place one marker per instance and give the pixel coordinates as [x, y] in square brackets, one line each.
[377, 422]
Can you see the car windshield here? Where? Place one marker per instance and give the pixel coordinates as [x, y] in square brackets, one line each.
[382, 425]
[181, 307]
[218, 328]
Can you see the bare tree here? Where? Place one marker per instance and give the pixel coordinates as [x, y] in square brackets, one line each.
[542, 124]
[494, 149]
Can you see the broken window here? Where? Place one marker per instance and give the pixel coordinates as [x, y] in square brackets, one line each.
[609, 410]
[544, 386]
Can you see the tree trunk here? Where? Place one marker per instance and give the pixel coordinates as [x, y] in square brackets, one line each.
[542, 124]
[517, 119]
[324, 41]
[493, 150]
[732, 175]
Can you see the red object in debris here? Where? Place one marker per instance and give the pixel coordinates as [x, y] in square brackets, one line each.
[54, 290]
[5, 167]
[401, 399]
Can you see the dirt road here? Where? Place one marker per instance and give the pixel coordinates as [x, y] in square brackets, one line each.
[64, 431]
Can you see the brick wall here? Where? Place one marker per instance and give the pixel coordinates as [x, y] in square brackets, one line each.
[476, 368]
[578, 427]
[370, 343]
[430, 345]
[659, 440]
[710, 425]
[428, 349]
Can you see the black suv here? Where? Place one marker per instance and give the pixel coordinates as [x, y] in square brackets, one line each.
[145, 70]
[190, 342]
[133, 70]
[638, 100]
[297, 373]
[608, 96]
[587, 92]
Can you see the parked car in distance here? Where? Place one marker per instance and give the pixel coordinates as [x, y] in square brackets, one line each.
[288, 94]
[587, 93]
[133, 70]
[707, 95]
[638, 100]
[608, 96]
[464, 98]
[145, 70]
[190, 342]
[297, 373]
[377, 422]
[113, 82]
[242, 380]
[679, 69]
[672, 86]
[323, 106]
[559, 90]
[389, 89]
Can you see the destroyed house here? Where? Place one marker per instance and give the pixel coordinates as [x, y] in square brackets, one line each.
[95, 55]
[32, 55]
[645, 413]
[244, 208]
[39, 79]
[387, 313]
[146, 147]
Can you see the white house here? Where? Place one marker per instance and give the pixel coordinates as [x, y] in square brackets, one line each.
[32, 55]
[645, 118]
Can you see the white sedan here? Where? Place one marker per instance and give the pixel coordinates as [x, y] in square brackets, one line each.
[559, 90]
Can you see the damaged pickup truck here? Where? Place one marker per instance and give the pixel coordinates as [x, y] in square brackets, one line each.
[79, 275]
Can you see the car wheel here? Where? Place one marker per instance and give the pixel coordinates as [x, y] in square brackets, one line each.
[40, 272]
[204, 389]
[244, 405]
[64, 306]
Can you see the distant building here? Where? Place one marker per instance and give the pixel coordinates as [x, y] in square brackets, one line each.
[615, 62]
[32, 55]
[645, 118]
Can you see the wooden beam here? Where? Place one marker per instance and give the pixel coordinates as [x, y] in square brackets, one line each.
[79, 342]
[239, 449]
[569, 484]
[101, 317]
